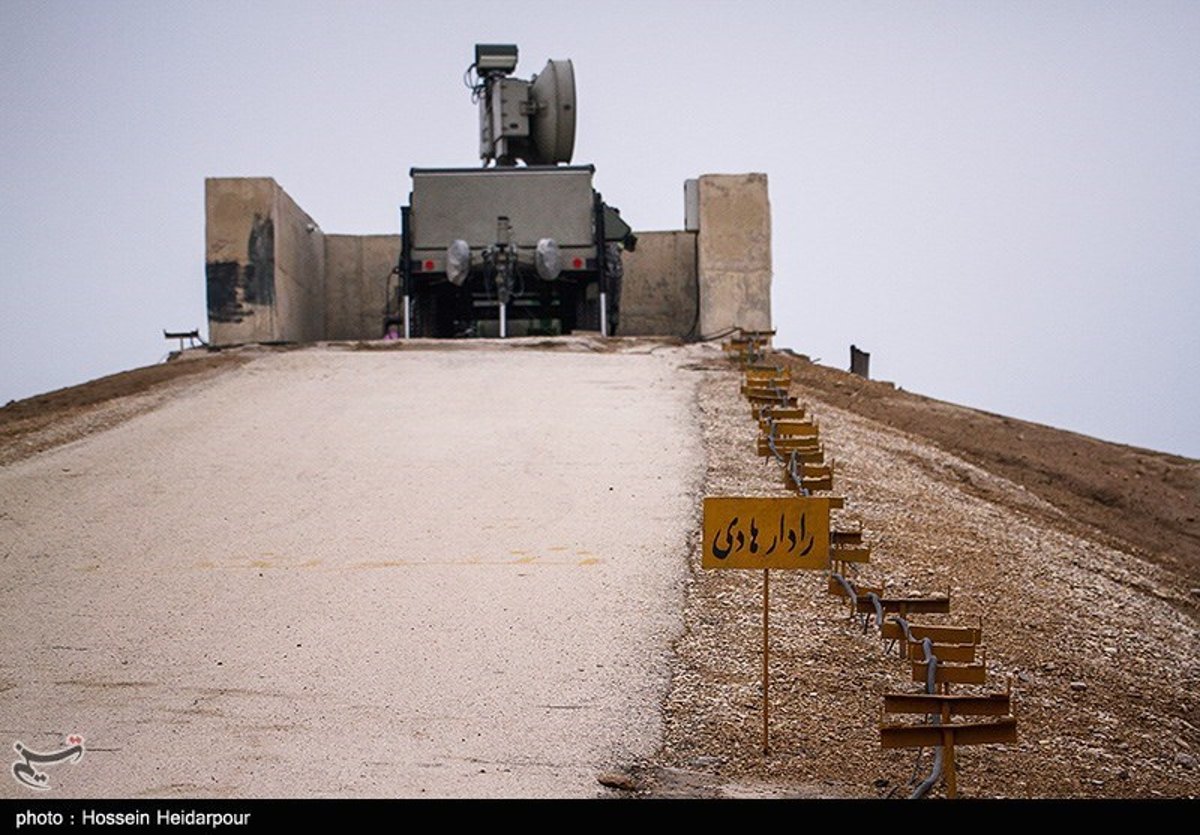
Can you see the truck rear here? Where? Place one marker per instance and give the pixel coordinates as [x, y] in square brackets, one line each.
[506, 251]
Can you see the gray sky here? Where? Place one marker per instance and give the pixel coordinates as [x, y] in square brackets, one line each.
[1000, 201]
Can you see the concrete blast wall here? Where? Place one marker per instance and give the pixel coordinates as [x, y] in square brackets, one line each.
[696, 284]
[265, 264]
[274, 276]
[734, 253]
[300, 271]
[658, 293]
[358, 279]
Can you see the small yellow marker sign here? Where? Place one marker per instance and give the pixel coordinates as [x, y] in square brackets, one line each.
[761, 533]
[765, 533]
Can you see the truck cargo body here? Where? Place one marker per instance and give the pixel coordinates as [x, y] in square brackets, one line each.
[501, 214]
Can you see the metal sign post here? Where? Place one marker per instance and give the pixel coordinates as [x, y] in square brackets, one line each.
[946, 733]
[766, 533]
[766, 653]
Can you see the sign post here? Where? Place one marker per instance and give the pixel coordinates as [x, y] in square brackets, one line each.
[765, 533]
[766, 653]
[944, 732]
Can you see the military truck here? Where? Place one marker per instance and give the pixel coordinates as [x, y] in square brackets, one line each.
[512, 248]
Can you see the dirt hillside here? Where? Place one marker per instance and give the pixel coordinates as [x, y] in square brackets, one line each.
[48, 420]
[1078, 557]
[1140, 500]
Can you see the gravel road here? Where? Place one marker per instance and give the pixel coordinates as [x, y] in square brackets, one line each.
[357, 573]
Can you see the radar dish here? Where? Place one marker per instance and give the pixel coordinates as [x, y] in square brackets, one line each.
[553, 128]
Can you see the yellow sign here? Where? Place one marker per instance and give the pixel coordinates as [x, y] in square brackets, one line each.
[744, 532]
[766, 378]
[796, 428]
[806, 449]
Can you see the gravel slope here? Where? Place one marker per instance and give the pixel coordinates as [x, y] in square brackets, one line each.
[1101, 646]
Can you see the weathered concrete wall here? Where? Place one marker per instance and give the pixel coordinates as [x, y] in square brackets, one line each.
[357, 278]
[240, 259]
[658, 293]
[299, 272]
[264, 264]
[273, 276]
[734, 253]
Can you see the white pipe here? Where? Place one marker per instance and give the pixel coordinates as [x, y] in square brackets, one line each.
[503, 320]
[603, 314]
[407, 324]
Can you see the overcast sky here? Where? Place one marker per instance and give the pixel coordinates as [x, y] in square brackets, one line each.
[1000, 201]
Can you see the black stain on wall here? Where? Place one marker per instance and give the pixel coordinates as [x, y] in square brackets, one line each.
[222, 281]
[232, 286]
[259, 280]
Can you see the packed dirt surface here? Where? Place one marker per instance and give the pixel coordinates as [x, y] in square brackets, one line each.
[337, 573]
[1081, 559]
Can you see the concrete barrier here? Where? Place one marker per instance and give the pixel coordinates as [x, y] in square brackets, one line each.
[264, 264]
[658, 296]
[358, 280]
[734, 253]
[273, 275]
